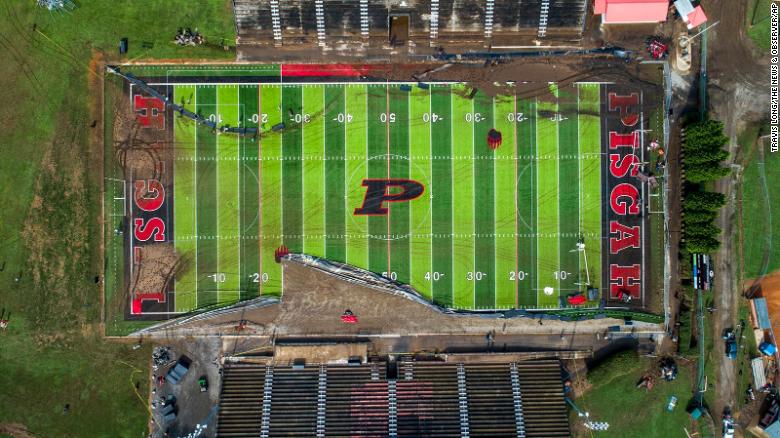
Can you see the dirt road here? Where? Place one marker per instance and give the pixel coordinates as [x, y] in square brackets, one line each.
[737, 90]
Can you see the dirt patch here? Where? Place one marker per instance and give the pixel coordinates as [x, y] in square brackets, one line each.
[57, 229]
[529, 76]
[770, 289]
[158, 266]
[314, 301]
[16, 430]
[142, 153]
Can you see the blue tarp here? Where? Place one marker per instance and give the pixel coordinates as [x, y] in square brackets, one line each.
[767, 348]
[762, 313]
[773, 430]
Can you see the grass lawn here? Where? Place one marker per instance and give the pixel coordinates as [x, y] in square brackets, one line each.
[758, 22]
[634, 412]
[49, 187]
[755, 217]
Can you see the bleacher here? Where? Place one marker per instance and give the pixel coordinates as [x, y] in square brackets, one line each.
[241, 401]
[299, 24]
[423, 399]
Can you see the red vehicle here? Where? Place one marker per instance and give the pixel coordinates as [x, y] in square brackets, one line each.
[657, 48]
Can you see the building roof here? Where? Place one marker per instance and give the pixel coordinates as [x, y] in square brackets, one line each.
[691, 16]
[762, 313]
[631, 11]
[696, 17]
[408, 398]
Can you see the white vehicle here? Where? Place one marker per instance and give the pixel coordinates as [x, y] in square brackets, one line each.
[728, 428]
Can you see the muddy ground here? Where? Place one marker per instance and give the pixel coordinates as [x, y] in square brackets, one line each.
[314, 301]
[737, 91]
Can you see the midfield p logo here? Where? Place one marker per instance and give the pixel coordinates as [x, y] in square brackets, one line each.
[379, 191]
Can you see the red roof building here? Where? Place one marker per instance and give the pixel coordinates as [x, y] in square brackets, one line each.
[692, 16]
[631, 11]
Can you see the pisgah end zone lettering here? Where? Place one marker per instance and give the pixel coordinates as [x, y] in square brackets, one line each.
[625, 202]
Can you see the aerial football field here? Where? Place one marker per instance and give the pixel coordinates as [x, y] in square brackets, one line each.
[494, 227]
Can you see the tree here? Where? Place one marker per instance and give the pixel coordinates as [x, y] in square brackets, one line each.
[705, 156]
[701, 244]
[700, 174]
[704, 152]
[699, 216]
[701, 230]
[704, 134]
[703, 200]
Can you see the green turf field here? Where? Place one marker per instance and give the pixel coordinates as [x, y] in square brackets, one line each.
[494, 229]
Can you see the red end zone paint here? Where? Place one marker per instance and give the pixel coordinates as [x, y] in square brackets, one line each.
[137, 302]
[327, 70]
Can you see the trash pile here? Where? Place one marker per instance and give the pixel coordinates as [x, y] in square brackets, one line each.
[161, 356]
[57, 5]
[186, 37]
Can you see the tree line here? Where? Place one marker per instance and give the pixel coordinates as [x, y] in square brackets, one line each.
[703, 152]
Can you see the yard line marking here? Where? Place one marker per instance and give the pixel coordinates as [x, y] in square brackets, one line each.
[303, 172]
[216, 110]
[260, 287]
[409, 175]
[642, 185]
[387, 160]
[581, 191]
[452, 199]
[346, 178]
[324, 177]
[535, 193]
[495, 245]
[474, 213]
[517, 211]
[558, 149]
[238, 180]
[195, 210]
[430, 172]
